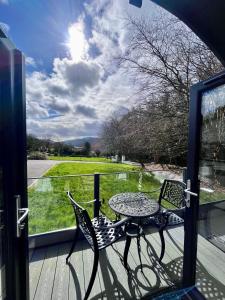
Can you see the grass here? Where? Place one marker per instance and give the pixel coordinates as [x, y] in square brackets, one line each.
[49, 207]
[80, 158]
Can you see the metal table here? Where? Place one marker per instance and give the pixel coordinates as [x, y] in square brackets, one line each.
[137, 206]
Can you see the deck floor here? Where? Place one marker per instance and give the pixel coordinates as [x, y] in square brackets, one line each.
[51, 278]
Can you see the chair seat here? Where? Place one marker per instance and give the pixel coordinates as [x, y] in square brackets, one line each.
[106, 236]
[173, 219]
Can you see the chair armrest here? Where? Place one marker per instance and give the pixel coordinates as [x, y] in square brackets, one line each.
[117, 224]
[152, 191]
[87, 202]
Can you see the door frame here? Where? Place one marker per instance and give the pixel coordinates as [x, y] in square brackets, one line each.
[12, 93]
[191, 213]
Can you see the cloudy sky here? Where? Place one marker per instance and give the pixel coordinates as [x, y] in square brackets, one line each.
[73, 83]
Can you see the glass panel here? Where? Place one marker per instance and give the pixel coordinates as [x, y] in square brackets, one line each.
[49, 206]
[112, 184]
[211, 260]
[2, 262]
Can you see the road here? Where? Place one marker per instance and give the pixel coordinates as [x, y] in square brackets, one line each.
[36, 168]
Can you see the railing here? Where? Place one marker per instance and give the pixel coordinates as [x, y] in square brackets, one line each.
[51, 210]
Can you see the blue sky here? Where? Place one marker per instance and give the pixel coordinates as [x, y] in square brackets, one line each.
[73, 83]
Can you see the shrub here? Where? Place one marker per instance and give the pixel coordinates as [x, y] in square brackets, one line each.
[37, 155]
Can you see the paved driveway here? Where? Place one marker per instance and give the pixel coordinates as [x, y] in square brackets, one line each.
[36, 168]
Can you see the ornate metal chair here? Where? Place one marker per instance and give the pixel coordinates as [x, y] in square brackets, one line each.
[171, 191]
[99, 232]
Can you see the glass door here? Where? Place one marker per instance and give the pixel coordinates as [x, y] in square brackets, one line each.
[13, 194]
[205, 215]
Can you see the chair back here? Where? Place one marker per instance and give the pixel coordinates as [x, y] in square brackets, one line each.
[172, 191]
[83, 221]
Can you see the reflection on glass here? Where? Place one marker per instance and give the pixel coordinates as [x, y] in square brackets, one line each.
[2, 266]
[212, 166]
[212, 158]
[212, 195]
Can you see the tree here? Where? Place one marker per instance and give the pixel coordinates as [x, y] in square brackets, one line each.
[97, 152]
[87, 148]
[164, 58]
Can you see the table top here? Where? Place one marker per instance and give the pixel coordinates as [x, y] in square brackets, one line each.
[137, 205]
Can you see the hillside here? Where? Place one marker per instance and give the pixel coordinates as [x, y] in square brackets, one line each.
[94, 141]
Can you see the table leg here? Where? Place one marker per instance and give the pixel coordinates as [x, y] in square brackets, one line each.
[126, 250]
[139, 250]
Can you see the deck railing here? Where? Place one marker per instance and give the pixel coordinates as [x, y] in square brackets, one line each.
[51, 210]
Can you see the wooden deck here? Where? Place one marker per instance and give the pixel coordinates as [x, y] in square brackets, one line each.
[51, 278]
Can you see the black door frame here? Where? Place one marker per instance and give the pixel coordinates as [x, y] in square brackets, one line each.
[12, 105]
[191, 213]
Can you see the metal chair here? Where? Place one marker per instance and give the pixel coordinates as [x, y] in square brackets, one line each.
[171, 191]
[100, 233]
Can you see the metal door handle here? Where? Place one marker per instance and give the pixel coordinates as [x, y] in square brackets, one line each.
[20, 218]
[25, 213]
[189, 193]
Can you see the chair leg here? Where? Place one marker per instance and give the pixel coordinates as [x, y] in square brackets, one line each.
[127, 246]
[93, 274]
[73, 244]
[162, 244]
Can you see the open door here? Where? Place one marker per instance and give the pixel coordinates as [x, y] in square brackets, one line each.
[206, 166]
[13, 178]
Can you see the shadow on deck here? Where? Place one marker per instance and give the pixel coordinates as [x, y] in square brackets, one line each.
[51, 278]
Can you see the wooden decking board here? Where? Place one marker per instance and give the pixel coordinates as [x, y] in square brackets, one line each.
[122, 283]
[52, 279]
[88, 260]
[76, 289]
[170, 260]
[46, 281]
[142, 280]
[36, 265]
[210, 268]
[61, 281]
[208, 255]
[152, 268]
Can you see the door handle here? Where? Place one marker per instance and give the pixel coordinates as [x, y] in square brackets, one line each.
[21, 214]
[189, 193]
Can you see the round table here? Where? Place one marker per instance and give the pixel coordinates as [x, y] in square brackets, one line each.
[137, 206]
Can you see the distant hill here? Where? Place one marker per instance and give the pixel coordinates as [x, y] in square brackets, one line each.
[94, 141]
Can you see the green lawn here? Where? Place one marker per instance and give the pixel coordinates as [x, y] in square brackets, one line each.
[80, 158]
[49, 207]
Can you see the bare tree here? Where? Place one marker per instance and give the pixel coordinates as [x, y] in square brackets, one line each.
[165, 58]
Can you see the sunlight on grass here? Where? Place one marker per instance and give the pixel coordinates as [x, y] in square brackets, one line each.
[49, 207]
[80, 158]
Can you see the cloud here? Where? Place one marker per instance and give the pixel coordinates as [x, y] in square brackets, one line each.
[86, 111]
[85, 88]
[30, 61]
[77, 75]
